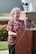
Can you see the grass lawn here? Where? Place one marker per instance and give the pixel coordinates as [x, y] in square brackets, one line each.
[3, 45]
[4, 14]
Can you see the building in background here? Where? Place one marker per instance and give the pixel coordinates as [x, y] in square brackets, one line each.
[7, 5]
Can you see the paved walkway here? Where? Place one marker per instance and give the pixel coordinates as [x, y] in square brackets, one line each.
[4, 52]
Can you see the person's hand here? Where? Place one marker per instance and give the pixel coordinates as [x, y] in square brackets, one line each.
[12, 33]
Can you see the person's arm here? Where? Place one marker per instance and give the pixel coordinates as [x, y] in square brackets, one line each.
[10, 29]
